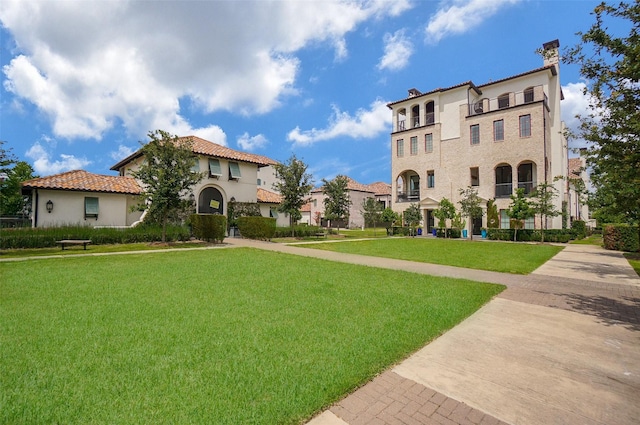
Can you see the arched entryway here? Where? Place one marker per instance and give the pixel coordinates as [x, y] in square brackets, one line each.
[210, 201]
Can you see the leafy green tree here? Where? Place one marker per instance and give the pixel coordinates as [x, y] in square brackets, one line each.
[447, 211]
[608, 59]
[371, 212]
[294, 184]
[166, 175]
[388, 218]
[542, 204]
[13, 201]
[519, 210]
[337, 202]
[412, 217]
[493, 218]
[470, 205]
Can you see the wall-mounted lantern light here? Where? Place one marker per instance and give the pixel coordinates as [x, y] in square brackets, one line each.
[49, 206]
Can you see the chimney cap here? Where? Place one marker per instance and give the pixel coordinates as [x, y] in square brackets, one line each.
[553, 44]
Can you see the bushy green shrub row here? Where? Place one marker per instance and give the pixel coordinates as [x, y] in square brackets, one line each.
[450, 233]
[262, 228]
[533, 235]
[209, 227]
[40, 237]
[300, 231]
[621, 237]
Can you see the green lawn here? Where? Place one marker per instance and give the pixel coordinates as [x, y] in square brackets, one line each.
[520, 258]
[223, 336]
[96, 249]
[634, 259]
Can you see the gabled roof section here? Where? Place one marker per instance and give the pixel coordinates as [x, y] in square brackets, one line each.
[80, 180]
[267, 197]
[438, 90]
[207, 148]
[380, 188]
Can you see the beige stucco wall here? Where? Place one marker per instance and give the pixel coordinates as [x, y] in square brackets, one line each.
[68, 209]
[283, 218]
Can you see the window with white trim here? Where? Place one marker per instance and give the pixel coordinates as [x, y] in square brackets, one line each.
[234, 171]
[214, 168]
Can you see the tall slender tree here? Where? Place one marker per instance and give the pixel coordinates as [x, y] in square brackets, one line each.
[371, 211]
[608, 56]
[470, 205]
[519, 210]
[294, 184]
[336, 202]
[542, 204]
[166, 174]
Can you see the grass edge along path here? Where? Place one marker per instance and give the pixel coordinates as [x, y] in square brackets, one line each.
[504, 257]
[216, 336]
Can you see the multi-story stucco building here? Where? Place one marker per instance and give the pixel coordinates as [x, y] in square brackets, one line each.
[495, 137]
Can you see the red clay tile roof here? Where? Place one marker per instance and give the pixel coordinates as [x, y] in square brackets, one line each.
[380, 188]
[267, 197]
[207, 148]
[306, 207]
[85, 181]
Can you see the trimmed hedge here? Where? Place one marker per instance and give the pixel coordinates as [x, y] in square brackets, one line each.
[450, 233]
[209, 227]
[580, 227]
[41, 237]
[621, 237]
[300, 231]
[262, 228]
[533, 235]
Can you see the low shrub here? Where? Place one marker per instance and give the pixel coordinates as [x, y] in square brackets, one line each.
[532, 235]
[209, 227]
[301, 231]
[262, 228]
[621, 237]
[400, 230]
[580, 228]
[41, 237]
[448, 233]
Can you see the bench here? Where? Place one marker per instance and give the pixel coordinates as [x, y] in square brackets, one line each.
[319, 235]
[66, 242]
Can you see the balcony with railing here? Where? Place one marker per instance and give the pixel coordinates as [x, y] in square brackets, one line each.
[508, 100]
[504, 190]
[408, 196]
[527, 186]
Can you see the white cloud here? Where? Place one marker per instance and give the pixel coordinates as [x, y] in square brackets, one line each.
[397, 51]
[251, 143]
[460, 16]
[134, 61]
[122, 152]
[367, 123]
[43, 165]
[575, 103]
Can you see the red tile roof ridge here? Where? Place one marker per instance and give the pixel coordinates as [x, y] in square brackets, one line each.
[81, 180]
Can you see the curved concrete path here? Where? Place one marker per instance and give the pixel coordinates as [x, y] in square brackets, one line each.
[559, 346]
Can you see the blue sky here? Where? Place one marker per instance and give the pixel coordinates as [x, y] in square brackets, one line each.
[84, 82]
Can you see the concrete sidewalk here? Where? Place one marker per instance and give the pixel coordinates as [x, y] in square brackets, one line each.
[560, 346]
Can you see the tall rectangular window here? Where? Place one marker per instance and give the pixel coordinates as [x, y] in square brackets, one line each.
[475, 134]
[525, 125]
[431, 179]
[234, 170]
[428, 142]
[498, 130]
[400, 147]
[504, 220]
[91, 207]
[475, 176]
[214, 168]
[414, 145]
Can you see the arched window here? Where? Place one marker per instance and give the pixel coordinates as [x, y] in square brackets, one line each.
[415, 116]
[503, 101]
[504, 181]
[528, 95]
[210, 201]
[430, 117]
[402, 116]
